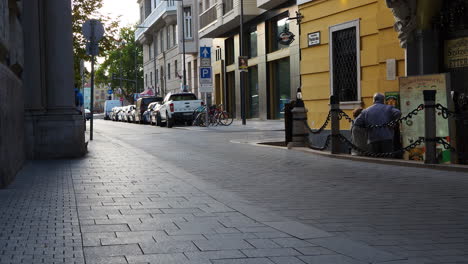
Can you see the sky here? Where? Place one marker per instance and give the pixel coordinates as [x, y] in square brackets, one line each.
[128, 9]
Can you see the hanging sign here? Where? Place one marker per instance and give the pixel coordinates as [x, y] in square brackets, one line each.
[286, 37]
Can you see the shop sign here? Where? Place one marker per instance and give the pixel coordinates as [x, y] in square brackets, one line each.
[313, 39]
[456, 53]
[286, 37]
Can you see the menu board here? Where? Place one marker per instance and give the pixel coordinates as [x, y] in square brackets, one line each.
[411, 95]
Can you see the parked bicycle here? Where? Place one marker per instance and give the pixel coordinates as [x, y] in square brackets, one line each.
[216, 116]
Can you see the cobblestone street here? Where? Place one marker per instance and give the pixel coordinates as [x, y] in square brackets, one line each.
[146, 194]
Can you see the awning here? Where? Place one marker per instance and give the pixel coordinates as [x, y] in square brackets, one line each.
[147, 92]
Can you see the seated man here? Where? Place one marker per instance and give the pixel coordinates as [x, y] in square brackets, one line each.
[380, 139]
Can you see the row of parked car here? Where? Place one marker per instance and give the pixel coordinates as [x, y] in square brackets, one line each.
[175, 108]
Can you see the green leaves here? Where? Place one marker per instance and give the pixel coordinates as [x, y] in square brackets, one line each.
[125, 60]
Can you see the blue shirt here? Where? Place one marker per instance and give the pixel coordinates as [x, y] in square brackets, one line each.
[378, 114]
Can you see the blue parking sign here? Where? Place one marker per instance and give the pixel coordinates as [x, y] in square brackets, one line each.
[205, 72]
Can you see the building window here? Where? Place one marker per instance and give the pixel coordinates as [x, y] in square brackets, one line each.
[151, 78]
[176, 73]
[156, 76]
[229, 50]
[344, 60]
[252, 43]
[146, 79]
[161, 41]
[142, 14]
[188, 22]
[150, 50]
[174, 35]
[218, 54]
[168, 36]
[275, 27]
[168, 71]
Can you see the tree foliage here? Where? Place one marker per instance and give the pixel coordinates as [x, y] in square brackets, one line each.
[122, 62]
[83, 10]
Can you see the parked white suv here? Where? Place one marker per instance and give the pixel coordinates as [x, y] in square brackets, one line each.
[178, 108]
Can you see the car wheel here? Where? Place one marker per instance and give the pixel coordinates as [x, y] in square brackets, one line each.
[158, 120]
[170, 121]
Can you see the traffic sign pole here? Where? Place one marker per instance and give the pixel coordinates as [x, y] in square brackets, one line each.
[93, 31]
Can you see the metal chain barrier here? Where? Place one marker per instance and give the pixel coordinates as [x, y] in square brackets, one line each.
[325, 146]
[396, 122]
[381, 155]
[446, 113]
[448, 146]
[342, 115]
[318, 131]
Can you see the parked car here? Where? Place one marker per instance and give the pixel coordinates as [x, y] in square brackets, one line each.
[142, 105]
[147, 114]
[132, 114]
[128, 113]
[87, 114]
[108, 108]
[154, 114]
[121, 114]
[178, 108]
[115, 111]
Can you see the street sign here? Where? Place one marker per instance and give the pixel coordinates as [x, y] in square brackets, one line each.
[92, 48]
[121, 99]
[205, 52]
[93, 30]
[205, 57]
[206, 80]
[109, 91]
[205, 75]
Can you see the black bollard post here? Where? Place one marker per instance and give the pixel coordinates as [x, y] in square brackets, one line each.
[300, 134]
[335, 124]
[430, 126]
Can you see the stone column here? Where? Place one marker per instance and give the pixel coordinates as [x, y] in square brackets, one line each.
[53, 126]
[59, 55]
[32, 79]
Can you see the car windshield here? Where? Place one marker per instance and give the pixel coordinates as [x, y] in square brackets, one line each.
[183, 97]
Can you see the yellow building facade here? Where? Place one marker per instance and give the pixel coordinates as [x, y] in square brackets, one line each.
[350, 49]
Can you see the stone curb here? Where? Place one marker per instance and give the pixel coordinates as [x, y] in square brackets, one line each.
[403, 163]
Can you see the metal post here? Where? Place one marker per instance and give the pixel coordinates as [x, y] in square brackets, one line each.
[120, 71]
[92, 100]
[241, 53]
[136, 69]
[183, 49]
[335, 124]
[430, 126]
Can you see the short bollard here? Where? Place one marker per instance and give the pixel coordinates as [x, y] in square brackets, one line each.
[335, 125]
[300, 135]
[430, 126]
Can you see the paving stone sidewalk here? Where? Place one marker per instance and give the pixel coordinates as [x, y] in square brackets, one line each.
[121, 205]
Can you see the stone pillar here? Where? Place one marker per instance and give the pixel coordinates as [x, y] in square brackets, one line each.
[59, 55]
[53, 126]
[300, 134]
[32, 79]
